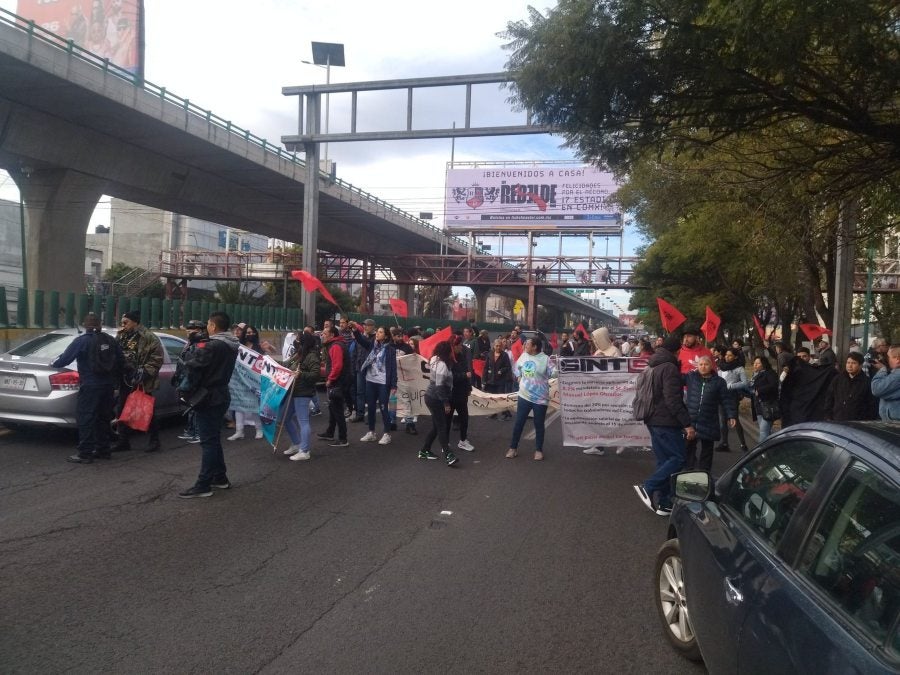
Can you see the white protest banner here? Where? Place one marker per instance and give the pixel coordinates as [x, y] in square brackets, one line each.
[276, 381]
[412, 381]
[595, 401]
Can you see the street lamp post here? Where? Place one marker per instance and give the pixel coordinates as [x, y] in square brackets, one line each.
[327, 54]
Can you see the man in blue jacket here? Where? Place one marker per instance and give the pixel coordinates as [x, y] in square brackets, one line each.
[100, 363]
[886, 385]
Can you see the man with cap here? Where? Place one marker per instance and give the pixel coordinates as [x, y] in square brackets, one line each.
[196, 331]
[97, 377]
[825, 354]
[849, 396]
[367, 330]
[669, 424]
[691, 350]
[143, 359]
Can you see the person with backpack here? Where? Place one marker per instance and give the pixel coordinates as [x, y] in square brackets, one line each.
[100, 362]
[669, 424]
[338, 371]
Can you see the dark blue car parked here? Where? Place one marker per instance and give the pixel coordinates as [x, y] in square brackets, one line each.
[790, 562]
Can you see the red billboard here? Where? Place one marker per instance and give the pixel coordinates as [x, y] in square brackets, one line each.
[111, 29]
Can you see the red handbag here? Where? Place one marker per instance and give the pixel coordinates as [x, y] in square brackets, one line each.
[138, 410]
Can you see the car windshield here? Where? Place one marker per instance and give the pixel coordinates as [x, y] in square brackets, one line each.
[47, 346]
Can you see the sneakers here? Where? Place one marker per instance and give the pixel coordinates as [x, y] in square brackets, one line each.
[195, 491]
[450, 458]
[292, 450]
[325, 437]
[315, 413]
[185, 436]
[78, 459]
[594, 451]
[236, 436]
[358, 418]
[663, 510]
[195, 439]
[465, 445]
[427, 454]
[370, 437]
[220, 483]
[384, 440]
[300, 456]
[259, 434]
[644, 497]
[620, 449]
[339, 443]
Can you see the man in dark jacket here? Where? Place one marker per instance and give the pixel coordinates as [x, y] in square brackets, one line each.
[849, 397]
[95, 391]
[669, 424]
[210, 368]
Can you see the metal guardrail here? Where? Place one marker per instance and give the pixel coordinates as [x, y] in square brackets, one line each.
[69, 46]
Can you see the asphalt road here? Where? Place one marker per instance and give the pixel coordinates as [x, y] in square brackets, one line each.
[363, 559]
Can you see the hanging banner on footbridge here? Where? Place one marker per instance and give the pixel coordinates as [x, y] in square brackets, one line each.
[551, 197]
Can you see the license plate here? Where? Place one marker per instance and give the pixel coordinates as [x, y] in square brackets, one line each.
[12, 381]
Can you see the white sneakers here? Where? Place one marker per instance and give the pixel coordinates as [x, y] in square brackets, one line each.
[465, 445]
[594, 451]
[259, 433]
[292, 450]
[384, 440]
[236, 436]
[370, 437]
[300, 455]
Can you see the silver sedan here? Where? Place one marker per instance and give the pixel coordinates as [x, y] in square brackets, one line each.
[34, 394]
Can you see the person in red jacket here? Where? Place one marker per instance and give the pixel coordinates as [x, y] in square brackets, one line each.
[691, 350]
[337, 370]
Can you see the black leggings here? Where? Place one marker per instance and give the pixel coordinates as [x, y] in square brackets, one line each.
[460, 405]
[440, 425]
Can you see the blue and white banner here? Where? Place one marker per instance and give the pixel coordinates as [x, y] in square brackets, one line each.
[261, 385]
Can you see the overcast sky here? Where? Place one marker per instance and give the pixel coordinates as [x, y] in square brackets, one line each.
[234, 56]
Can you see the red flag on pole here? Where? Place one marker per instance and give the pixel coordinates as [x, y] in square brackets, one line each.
[671, 317]
[426, 346]
[312, 284]
[814, 331]
[399, 307]
[580, 328]
[710, 327]
[517, 348]
[554, 341]
[759, 328]
[478, 367]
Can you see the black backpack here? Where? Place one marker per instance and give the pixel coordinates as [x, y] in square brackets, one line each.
[103, 353]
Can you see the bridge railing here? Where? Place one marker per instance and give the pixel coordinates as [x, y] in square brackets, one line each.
[37, 32]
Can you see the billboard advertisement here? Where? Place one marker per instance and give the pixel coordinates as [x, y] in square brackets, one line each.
[551, 197]
[111, 29]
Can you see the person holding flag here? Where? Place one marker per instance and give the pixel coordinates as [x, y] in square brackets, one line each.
[305, 364]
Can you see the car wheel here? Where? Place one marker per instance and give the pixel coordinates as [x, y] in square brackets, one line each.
[672, 602]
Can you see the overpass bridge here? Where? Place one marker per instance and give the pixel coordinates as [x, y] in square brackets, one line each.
[74, 127]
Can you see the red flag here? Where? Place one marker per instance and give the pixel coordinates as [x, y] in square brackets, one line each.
[516, 348]
[312, 284]
[814, 331]
[554, 341]
[710, 327]
[426, 346]
[478, 367]
[759, 328]
[399, 307]
[580, 327]
[671, 317]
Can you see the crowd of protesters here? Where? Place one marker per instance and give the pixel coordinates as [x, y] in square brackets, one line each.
[697, 390]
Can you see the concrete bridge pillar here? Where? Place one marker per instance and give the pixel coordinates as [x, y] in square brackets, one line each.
[481, 296]
[58, 208]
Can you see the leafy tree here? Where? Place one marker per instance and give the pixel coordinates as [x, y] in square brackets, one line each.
[620, 78]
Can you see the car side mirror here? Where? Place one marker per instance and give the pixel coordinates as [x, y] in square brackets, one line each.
[692, 486]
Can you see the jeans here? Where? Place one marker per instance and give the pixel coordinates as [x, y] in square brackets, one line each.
[765, 428]
[669, 447]
[377, 399]
[360, 394]
[336, 413]
[94, 411]
[209, 426]
[440, 425]
[523, 407]
[297, 422]
[314, 403]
